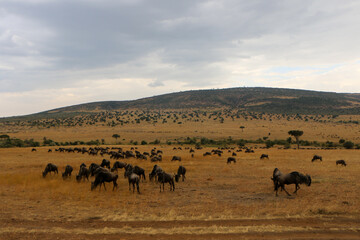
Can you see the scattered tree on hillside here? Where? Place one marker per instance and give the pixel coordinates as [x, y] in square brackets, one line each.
[116, 136]
[296, 134]
[242, 128]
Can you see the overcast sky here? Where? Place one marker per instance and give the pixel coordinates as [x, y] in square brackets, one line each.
[55, 53]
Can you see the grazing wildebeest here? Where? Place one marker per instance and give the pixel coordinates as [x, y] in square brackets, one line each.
[82, 165]
[341, 162]
[137, 170]
[316, 157]
[234, 154]
[181, 172]
[105, 163]
[50, 168]
[49, 150]
[33, 150]
[92, 168]
[207, 154]
[264, 156]
[83, 173]
[296, 178]
[156, 169]
[156, 159]
[68, 171]
[117, 165]
[231, 159]
[164, 177]
[104, 176]
[133, 179]
[176, 158]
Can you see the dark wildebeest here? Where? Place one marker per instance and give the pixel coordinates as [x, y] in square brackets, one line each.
[105, 163]
[50, 168]
[117, 165]
[231, 159]
[316, 157]
[82, 165]
[49, 150]
[181, 172]
[104, 176]
[33, 150]
[139, 171]
[207, 154]
[92, 168]
[164, 177]
[176, 158]
[68, 171]
[341, 162]
[156, 159]
[83, 173]
[296, 178]
[264, 156]
[133, 179]
[156, 169]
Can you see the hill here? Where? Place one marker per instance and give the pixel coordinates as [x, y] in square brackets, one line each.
[267, 100]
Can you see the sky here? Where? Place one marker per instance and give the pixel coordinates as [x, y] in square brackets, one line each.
[56, 53]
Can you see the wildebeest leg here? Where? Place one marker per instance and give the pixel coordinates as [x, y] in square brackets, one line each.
[129, 186]
[283, 188]
[297, 187]
[137, 186]
[115, 185]
[183, 177]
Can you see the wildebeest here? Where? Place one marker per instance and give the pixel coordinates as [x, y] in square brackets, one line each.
[83, 173]
[92, 168]
[164, 177]
[68, 171]
[296, 178]
[133, 179]
[264, 156]
[176, 158]
[117, 165]
[156, 169]
[341, 162]
[207, 154]
[33, 150]
[181, 172]
[104, 176]
[231, 159]
[156, 159]
[105, 163]
[137, 170]
[49, 150]
[50, 168]
[316, 157]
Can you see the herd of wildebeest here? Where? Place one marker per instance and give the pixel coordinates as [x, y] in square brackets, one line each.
[103, 172]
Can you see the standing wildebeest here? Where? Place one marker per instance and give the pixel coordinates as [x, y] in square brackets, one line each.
[138, 170]
[176, 158]
[117, 165]
[33, 150]
[163, 178]
[156, 169]
[68, 171]
[231, 159]
[49, 150]
[104, 176]
[296, 178]
[105, 163]
[207, 154]
[316, 157]
[181, 172]
[341, 162]
[92, 168]
[83, 173]
[133, 179]
[264, 156]
[50, 168]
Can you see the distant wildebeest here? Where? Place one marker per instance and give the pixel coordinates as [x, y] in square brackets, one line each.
[264, 156]
[33, 150]
[280, 180]
[163, 178]
[234, 154]
[207, 154]
[104, 176]
[82, 165]
[50, 168]
[105, 163]
[316, 157]
[117, 165]
[49, 150]
[181, 172]
[133, 179]
[156, 159]
[341, 162]
[176, 158]
[83, 173]
[68, 171]
[248, 150]
[139, 171]
[231, 159]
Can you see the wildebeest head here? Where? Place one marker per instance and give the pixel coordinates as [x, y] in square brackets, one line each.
[177, 176]
[44, 174]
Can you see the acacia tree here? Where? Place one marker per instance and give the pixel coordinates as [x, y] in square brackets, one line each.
[296, 134]
[116, 136]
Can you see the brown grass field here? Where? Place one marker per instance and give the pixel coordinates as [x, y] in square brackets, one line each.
[216, 201]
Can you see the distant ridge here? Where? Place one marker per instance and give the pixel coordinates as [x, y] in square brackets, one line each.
[257, 99]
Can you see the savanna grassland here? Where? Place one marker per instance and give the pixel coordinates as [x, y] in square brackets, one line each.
[216, 201]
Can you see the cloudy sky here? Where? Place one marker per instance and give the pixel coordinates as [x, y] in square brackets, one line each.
[55, 53]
